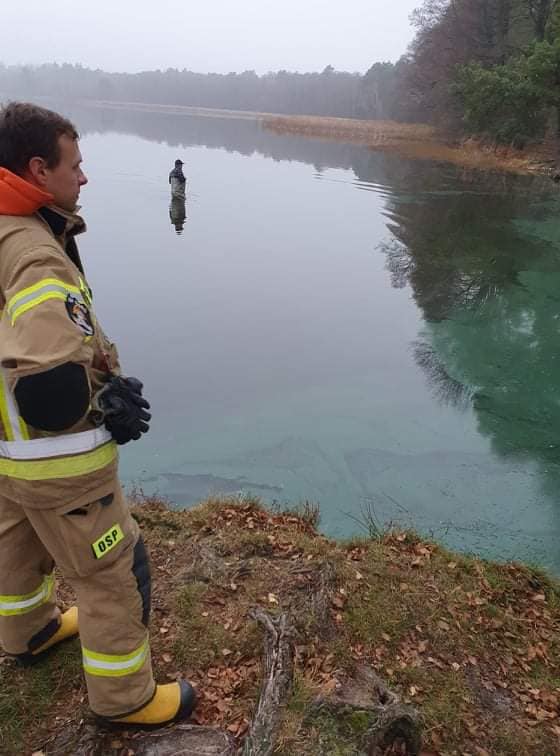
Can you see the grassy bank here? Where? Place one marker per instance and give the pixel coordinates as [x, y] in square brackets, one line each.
[416, 141]
[475, 646]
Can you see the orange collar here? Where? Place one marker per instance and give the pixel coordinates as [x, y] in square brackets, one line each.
[18, 196]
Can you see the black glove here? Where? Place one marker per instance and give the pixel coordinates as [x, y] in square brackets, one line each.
[124, 409]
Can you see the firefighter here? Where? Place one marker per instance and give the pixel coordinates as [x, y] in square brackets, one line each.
[64, 408]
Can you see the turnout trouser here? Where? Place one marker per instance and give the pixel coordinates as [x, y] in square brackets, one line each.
[98, 549]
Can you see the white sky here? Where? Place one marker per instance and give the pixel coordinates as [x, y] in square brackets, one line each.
[206, 35]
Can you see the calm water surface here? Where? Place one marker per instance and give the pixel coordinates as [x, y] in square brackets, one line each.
[333, 324]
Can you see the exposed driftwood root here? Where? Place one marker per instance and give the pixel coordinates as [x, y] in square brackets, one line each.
[185, 740]
[392, 727]
[276, 685]
[208, 566]
[321, 602]
[179, 740]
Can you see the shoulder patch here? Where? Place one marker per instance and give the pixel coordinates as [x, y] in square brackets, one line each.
[79, 315]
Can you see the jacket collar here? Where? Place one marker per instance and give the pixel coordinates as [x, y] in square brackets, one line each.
[18, 196]
[61, 222]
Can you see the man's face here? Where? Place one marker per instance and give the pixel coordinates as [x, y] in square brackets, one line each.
[66, 179]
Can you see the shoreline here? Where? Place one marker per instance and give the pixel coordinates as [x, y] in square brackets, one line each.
[413, 141]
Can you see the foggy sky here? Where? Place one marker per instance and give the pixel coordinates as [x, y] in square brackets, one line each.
[207, 35]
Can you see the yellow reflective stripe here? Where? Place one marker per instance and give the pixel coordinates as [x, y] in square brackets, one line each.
[37, 301]
[40, 285]
[12, 605]
[85, 291]
[23, 429]
[60, 467]
[114, 665]
[9, 414]
[4, 413]
[111, 658]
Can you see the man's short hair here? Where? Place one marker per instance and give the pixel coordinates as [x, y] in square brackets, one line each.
[28, 131]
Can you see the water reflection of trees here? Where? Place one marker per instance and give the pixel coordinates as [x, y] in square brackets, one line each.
[487, 284]
[446, 389]
[456, 250]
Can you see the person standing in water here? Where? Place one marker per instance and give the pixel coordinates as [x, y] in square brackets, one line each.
[178, 181]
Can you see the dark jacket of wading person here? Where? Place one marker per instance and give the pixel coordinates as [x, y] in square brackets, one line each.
[178, 181]
[64, 407]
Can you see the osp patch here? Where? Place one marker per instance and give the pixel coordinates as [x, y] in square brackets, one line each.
[108, 541]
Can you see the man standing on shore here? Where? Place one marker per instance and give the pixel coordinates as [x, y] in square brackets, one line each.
[64, 407]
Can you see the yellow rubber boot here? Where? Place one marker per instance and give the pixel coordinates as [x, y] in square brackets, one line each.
[171, 703]
[68, 628]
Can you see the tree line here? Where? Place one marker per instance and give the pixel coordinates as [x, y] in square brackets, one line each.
[330, 92]
[484, 67]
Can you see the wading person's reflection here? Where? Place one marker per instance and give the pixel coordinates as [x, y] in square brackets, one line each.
[178, 213]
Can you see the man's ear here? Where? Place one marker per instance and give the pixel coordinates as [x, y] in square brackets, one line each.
[36, 172]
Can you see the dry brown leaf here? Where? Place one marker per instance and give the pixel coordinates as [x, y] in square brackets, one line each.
[439, 664]
[329, 686]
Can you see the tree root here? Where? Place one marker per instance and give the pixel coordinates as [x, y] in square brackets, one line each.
[276, 685]
[392, 726]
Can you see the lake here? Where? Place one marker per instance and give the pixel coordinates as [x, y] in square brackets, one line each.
[326, 323]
